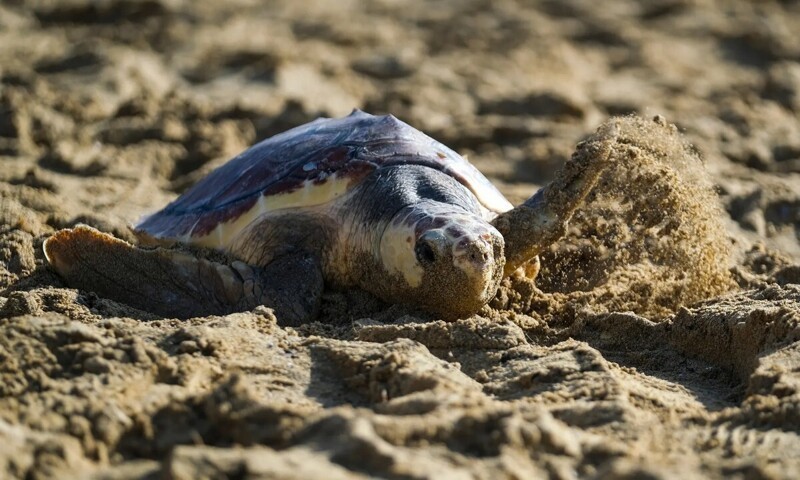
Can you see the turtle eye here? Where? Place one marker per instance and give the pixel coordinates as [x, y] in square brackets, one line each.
[424, 252]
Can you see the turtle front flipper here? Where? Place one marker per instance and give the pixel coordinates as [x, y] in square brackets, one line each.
[176, 284]
[542, 219]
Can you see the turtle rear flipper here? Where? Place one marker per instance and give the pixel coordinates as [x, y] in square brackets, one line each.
[176, 284]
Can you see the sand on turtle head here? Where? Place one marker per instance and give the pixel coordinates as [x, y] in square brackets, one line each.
[649, 238]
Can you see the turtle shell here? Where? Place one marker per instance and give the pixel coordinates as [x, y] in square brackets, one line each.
[309, 165]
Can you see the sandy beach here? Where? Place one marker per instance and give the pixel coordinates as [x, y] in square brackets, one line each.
[661, 339]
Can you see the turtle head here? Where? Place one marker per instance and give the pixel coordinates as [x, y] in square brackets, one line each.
[447, 260]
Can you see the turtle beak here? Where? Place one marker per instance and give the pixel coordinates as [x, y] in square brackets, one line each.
[482, 260]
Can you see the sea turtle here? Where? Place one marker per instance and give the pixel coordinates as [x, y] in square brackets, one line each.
[356, 202]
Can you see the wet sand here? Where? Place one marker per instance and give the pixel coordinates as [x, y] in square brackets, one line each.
[659, 341]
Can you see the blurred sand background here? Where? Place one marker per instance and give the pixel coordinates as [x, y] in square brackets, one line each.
[661, 340]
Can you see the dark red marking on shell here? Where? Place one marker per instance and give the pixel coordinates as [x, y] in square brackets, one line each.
[351, 147]
[209, 221]
[167, 223]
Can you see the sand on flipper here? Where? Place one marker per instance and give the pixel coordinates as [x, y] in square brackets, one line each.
[649, 238]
